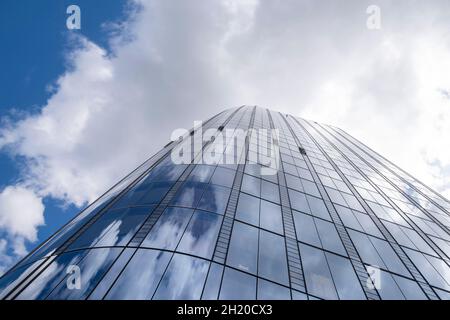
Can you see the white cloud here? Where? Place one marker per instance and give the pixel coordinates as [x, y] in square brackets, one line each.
[21, 212]
[174, 62]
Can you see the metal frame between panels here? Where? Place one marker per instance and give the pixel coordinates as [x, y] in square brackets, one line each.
[151, 163]
[395, 246]
[355, 259]
[223, 240]
[399, 189]
[413, 225]
[345, 134]
[296, 275]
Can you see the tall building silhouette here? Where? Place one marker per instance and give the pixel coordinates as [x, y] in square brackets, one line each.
[291, 209]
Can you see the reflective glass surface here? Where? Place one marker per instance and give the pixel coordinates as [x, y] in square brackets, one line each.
[333, 212]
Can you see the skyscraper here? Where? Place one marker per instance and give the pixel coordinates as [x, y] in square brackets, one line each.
[252, 204]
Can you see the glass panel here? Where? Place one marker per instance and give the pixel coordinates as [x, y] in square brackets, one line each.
[112, 274]
[155, 193]
[272, 262]
[132, 285]
[390, 258]
[93, 234]
[317, 275]
[270, 217]
[269, 191]
[306, 229]
[310, 188]
[223, 177]
[434, 270]
[251, 185]
[201, 173]
[169, 228]
[243, 252]
[144, 193]
[200, 237]
[298, 201]
[318, 208]
[248, 209]
[123, 229]
[294, 183]
[389, 289]
[411, 290]
[167, 172]
[183, 280]
[345, 279]
[189, 194]
[91, 270]
[329, 237]
[212, 285]
[51, 276]
[271, 291]
[365, 249]
[215, 199]
[367, 224]
[299, 295]
[237, 285]
[12, 278]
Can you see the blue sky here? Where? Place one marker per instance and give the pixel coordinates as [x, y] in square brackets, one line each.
[80, 109]
[35, 41]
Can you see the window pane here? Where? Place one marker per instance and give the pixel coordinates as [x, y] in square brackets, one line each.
[389, 289]
[90, 237]
[223, 177]
[310, 188]
[318, 208]
[270, 217]
[251, 185]
[434, 270]
[365, 249]
[183, 279]
[390, 258]
[248, 209]
[123, 229]
[294, 183]
[92, 268]
[306, 229]
[112, 274]
[169, 228]
[170, 172]
[9, 280]
[298, 201]
[132, 285]
[243, 253]
[237, 285]
[201, 173]
[269, 191]
[155, 193]
[367, 224]
[212, 285]
[317, 275]
[189, 194]
[51, 276]
[200, 237]
[329, 237]
[272, 262]
[410, 289]
[215, 199]
[271, 291]
[345, 279]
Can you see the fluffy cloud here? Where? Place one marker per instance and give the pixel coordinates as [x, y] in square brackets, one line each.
[173, 62]
[21, 213]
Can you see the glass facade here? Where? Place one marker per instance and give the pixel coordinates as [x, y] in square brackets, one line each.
[335, 220]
